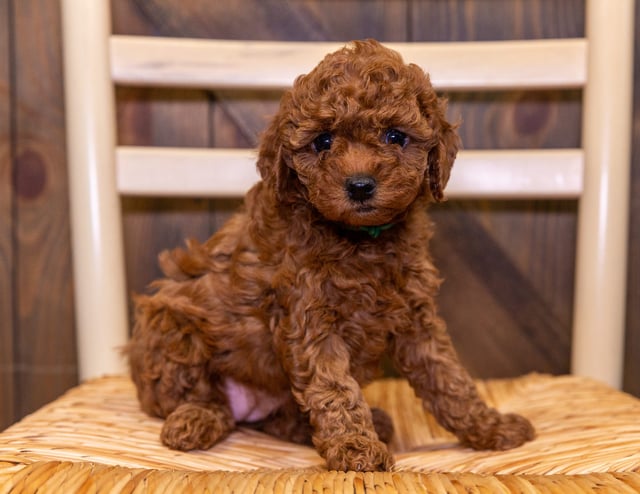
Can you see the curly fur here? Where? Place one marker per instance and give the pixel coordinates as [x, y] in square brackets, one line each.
[282, 315]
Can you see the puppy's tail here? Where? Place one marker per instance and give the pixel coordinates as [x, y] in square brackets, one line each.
[181, 264]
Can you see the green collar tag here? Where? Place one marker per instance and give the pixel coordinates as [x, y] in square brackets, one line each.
[375, 231]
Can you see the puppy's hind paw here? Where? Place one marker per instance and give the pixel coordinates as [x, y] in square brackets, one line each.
[513, 431]
[500, 432]
[192, 426]
[359, 453]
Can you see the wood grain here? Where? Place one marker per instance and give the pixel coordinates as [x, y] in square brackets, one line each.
[44, 322]
[632, 360]
[484, 20]
[300, 20]
[7, 390]
[500, 314]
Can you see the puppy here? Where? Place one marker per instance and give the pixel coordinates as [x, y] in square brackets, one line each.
[281, 316]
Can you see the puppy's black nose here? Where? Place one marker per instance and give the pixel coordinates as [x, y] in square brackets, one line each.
[360, 187]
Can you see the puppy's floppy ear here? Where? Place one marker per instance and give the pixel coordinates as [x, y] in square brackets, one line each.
[441, 158]
[273, 157]
[447, 142]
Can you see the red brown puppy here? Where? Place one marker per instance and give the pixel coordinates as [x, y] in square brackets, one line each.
[282, 315]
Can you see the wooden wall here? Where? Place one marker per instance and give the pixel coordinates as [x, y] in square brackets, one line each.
[6, 247]
[36, 307]
[508, 265]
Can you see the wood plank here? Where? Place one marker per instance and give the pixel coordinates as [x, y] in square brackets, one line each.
[7, 390]
[44, 319]
[482, 20]
[201, 172]
[151, 61]
[308, 20]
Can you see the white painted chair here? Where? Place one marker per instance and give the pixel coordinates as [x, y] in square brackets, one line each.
[596, 175]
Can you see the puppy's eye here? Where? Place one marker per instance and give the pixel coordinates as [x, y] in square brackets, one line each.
[395, 136]
[322, 142]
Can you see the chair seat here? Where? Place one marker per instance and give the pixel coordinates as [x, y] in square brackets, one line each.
[96, 439]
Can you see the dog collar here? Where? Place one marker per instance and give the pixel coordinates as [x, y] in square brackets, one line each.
[374, 231]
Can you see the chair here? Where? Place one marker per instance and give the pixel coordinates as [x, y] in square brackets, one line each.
[95, 438]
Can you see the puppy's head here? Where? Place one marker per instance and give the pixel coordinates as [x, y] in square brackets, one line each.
[360, 138]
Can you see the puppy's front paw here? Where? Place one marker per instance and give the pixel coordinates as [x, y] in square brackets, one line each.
[192, 426]
[500, 432]
[359, 453]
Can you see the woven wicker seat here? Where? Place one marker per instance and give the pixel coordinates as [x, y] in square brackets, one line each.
[95, 439]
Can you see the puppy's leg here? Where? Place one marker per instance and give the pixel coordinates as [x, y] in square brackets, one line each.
[428, 360]
[171, 367]
[197, 426]
[317, 363]
[196, 411]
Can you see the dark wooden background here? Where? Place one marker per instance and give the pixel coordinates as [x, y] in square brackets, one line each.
[508, 264]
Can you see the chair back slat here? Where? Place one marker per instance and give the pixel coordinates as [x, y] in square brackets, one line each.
[489, 65]
[206, 172]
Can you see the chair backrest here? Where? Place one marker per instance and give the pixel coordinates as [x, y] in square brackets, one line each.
[596, 174]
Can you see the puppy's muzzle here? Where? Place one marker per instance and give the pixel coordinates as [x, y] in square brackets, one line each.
[360, 188]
